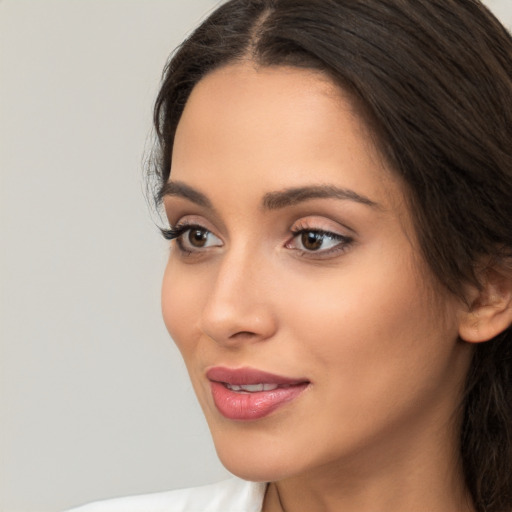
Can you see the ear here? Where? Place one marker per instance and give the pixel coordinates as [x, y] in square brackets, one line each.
[490, 307]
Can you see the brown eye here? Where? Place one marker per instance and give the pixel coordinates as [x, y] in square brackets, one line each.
[198, 237]
[317, 243]
[195, 238]
[312, 240]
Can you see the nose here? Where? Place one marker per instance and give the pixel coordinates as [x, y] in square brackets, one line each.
[239, 308]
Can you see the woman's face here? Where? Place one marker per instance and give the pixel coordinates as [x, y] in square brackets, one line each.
[311, 329]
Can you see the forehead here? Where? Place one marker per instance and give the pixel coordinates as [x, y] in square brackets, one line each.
[269, 128]
[277, 100]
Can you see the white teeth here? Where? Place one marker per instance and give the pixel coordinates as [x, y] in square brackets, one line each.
[251, 388]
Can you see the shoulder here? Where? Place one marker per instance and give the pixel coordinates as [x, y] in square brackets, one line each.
[233, 495]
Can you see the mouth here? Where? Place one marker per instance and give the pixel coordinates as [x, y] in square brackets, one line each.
[250, 394]
[250, 388]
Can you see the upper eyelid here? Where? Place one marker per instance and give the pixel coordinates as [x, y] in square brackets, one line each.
[177, 206]
[186, 225]
[344, 242]
[177, 232]
[314, 222]
[324, 232]
[192, 220]
[175, 215]
[321, 223]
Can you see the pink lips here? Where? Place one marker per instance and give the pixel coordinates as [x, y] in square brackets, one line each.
[250, 394]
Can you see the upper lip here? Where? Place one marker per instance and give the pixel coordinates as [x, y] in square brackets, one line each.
[246, 376]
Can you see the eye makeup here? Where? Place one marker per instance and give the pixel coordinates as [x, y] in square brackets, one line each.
[191, 237]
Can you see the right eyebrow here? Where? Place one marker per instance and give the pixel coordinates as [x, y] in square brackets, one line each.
[179, 189]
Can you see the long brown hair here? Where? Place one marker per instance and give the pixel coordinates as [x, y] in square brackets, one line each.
[433, 79]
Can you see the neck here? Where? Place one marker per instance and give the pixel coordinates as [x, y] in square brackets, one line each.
[397, 478]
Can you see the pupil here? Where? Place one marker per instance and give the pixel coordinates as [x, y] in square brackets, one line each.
[197, 237]
[312, 241]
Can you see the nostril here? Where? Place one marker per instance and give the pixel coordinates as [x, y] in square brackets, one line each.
[243, 334]
[230, 317]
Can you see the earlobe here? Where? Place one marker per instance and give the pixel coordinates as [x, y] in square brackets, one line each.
[490, 308]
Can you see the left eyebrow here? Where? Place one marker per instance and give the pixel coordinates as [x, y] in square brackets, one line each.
[292, 196]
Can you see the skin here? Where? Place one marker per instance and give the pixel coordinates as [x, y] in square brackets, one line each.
[360, 317]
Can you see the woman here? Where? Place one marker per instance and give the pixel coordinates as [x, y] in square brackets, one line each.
[337, 176]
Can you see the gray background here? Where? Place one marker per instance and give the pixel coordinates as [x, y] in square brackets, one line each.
[95, 401]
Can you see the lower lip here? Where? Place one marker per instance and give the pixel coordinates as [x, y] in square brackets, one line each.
[252, 406]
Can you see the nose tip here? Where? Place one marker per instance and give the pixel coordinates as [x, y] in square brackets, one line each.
[229, 326]
[238, 309]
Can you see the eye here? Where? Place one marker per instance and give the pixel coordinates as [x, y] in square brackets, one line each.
[317, 242]
[192, 237]
[197, 237]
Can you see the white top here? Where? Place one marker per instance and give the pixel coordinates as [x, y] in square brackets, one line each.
[233, 495]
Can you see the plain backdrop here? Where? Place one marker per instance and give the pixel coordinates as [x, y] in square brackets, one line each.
[95, 401]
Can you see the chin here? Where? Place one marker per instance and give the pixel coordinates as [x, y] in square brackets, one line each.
[257, 458]
[254, 470]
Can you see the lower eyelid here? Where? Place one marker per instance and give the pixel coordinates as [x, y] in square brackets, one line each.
[332, 252]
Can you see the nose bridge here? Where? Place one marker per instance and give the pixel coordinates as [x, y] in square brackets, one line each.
[238, 306]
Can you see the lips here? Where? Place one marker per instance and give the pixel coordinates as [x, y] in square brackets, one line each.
[250, 394]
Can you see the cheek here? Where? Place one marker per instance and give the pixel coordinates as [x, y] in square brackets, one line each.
[376, 350]
[373, 318]
[180, 300]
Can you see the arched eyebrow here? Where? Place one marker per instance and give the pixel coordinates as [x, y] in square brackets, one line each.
[292, 196]
[271, 200]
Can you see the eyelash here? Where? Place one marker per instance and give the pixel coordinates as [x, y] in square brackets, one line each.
[177, 232]
[344, 242]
